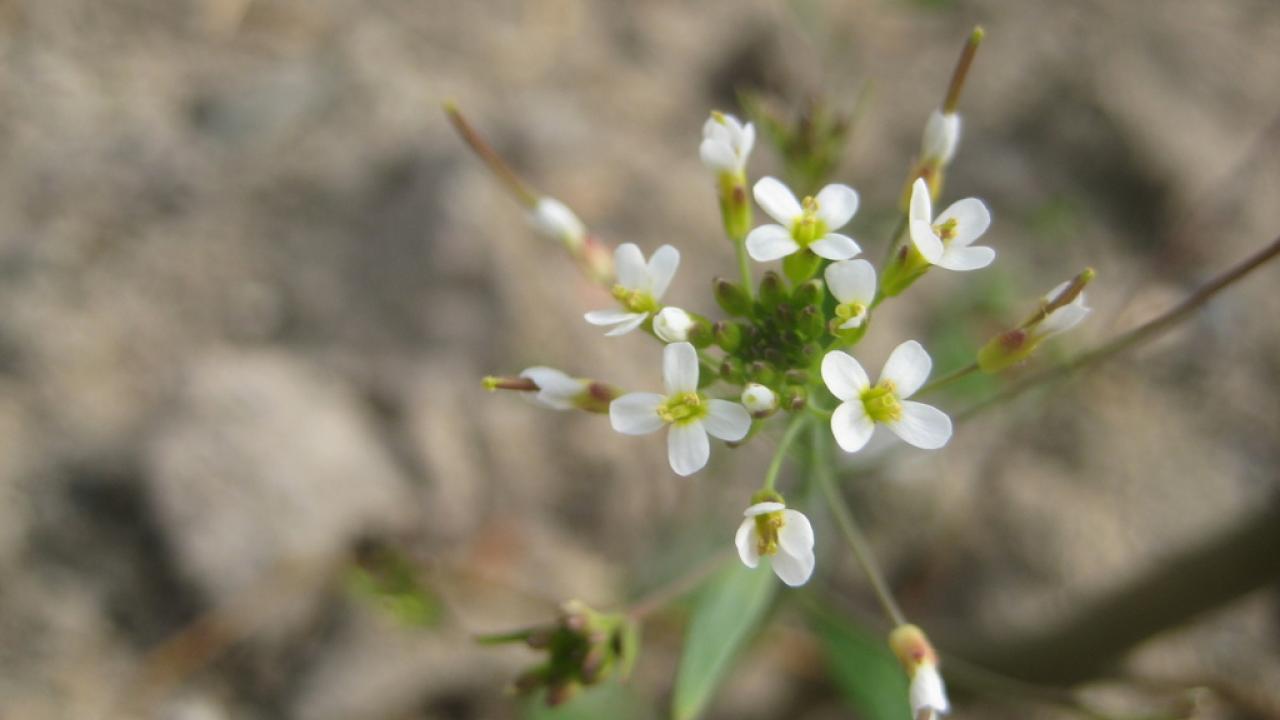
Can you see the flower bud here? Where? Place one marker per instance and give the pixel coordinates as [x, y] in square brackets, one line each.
[728, 335]
[941, 138]
[810, 323]
[808, 293]
[920, 661]
[554, 220]
[732, 298]
[672, 324]
[759, 400]
[773, 292]
[1060, 310]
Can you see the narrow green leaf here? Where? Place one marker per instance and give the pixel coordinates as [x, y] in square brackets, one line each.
[862, 666]
[727, 615]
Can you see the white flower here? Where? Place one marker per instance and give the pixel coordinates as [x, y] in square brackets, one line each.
[865, 405]
[759, 400]
[691, 415]
[726, 143]
[784, 535]
[810, 224]
[672, 324]
[1061, 319]
[556, 390]
[553, 219]
[928, 693]
[941, 138]
[946, 241]
[853, 284]
[639, 288]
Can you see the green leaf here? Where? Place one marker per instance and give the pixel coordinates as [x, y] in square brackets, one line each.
[727, 615]
[606, 700]
[862, 666]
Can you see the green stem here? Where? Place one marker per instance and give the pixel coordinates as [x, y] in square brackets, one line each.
[849, 527]
[744, 267]
[775, 465]
[949, 378]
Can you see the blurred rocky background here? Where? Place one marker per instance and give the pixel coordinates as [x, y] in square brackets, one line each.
[249, 280]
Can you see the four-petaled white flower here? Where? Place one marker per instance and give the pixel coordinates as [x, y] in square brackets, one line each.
[639, 288]
[863, 405]
[553, 219]
[947, 241]
[785, 536]
[726, 143]
[941, 138]
[928, 694]
[556, 390]
[1061, 319]
[672, 324]
[853, 284]
[691, 415]
[810, 224]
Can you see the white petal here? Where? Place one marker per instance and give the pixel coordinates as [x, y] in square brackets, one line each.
[629, 263]
[796, 536]
[761, 508]
[757, 398]
[632, 322]
[834, 246]
[907, 368]
[921, 205]
[926, 241]
[1063, 319]
[1056, 291]
[713, 128]
[726, 420]
[854, 322]
[837, 205]
[556, 390]
[852, 281]
[776, 200]
[662, 267]
[928, 691]
[636, 413]
[748, 544]
[770, 242]
[844, 376]
[555, 220]
[672, 324]
[924, 426]
[680, 368]
[687, 447]
[963, 259]
[747, 142]
[852, 426]
[972, 220]
[941, 137]
[608, 317]
[717, 155]
[792, 570]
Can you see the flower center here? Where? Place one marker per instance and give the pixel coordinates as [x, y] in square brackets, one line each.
[767, 527]
[946, 231]
[635, 301]
[808, 227]
[850, 311]
[881, 402]
[683, 408]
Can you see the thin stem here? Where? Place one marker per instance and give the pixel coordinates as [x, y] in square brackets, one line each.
[744, 268]
[949, 378]
[668, 593]
[1137, 336]
[780, 454]
[848, 526]
[485, 151]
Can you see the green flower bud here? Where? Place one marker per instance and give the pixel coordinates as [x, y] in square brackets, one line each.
[810, 323]
[728, 335]
[732, 298]
[732, 371]
[808, 293]
[762, 372]
[773, 291]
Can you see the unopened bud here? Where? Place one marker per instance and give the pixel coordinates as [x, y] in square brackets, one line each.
[928, 694]
[672, 324]
[728, 335]
[732, 298]
[759, 400]
[773, 292]
[554, 220]
[941, 138]
[808, 293]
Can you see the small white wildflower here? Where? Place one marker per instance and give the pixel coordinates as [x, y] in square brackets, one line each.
[941, 138]
[947, 240]
[759, 400]
[785, 536]
[556, 390]
[672, 324]
[1060, 319]
[726, 143]
[554, 220]
[865, 405]
[804, 225]
[689, 413]
[639, 288]
[928, 694]
[853, 284]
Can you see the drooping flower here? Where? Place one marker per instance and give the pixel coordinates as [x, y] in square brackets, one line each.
[782, 535]
[759, 400]
[865, 405]
[947, 241]
[556, 389]
[941, 138]
[672, 324]
[1061, 319]
[690, 415]
[726, 143]
[1060, 310]
[554, 220]
[853, 284]
[810, 224]
[928, 694]
[639, 288]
